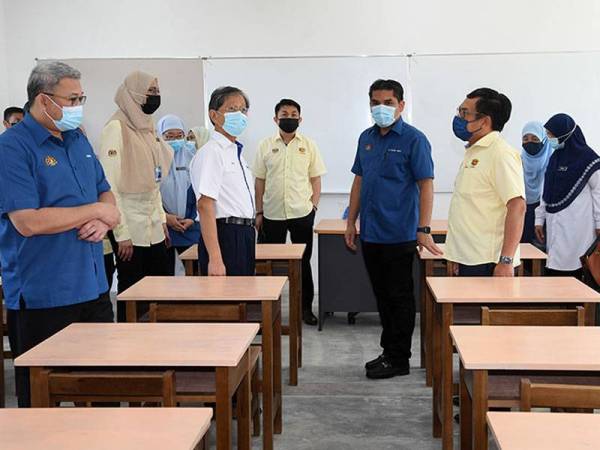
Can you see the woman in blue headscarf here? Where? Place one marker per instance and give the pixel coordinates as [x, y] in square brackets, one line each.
[570, 205]
[179, 201]
[535, 155]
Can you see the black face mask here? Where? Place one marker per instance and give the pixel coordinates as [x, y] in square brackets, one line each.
[152, 104]
[289, 125]
[533, 148]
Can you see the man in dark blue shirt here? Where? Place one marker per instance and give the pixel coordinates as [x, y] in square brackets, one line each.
[393, 191]
[55, 209]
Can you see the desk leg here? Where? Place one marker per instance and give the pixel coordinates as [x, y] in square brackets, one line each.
[295, 319]
[189, 267]
[224, 411]
[427, 323]
[436, 370]
[590, 314]
[243, 408]
[38, 379]
[536, 268]
[267, 378]
[480, 407]
[466, 413]
[447, 389]
[422, 320]
[277, 376]
[131, 311]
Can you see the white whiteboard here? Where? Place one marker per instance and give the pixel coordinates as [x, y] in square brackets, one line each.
[538, 85]
[333, 94]
[180, 82]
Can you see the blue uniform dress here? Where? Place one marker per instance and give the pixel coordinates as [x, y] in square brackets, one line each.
[390, 166]
[49, 280]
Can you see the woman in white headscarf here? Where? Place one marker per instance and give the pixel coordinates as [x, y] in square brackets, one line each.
[178, 196]
[135, 161]
[198, 136]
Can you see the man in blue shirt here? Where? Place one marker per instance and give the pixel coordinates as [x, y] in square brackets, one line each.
[55, 209]
[393, 191]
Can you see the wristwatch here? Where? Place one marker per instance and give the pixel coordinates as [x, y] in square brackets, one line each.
[505, 260]
[426, 230]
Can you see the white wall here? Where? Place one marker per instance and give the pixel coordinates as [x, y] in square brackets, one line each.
[4, 97]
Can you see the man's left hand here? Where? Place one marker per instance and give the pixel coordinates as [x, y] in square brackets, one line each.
[426, 240]
[504, 270]
[93, 231]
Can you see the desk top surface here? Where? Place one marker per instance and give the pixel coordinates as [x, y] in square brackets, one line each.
[102, 428]
[527, 348]
[143, 345]
[544, 431]
[263, 252]
[528, 251]
[338, 226]
[205, 289]
[510, 290]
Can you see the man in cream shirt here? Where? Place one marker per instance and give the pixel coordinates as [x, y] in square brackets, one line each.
[487, 210]
[288, 169]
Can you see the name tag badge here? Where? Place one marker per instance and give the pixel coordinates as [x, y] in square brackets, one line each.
[181, 168]
[157, 174]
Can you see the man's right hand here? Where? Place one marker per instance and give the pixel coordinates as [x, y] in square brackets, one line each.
[109, 214]
[216, 268]
[350, 236]
[174, 222]
[258, 222]
[125, 251]
[539, 233]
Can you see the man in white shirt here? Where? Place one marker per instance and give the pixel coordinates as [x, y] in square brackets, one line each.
[222, 183]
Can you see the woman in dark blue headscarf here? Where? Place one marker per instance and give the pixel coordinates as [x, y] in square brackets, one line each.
[570, 204]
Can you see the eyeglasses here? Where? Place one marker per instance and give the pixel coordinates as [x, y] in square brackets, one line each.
[463, 113]
[231, 109]
[74, 101]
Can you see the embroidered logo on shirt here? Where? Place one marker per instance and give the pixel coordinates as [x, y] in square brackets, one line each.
[394, 150]
[275, 150]
[302, 150]
[474, 162]
[50, 161]
[112, 153]
[368, 147]
[563, 168]
[88, 156]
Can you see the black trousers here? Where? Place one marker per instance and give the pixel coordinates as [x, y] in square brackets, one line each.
[146, 261]
[480, 270]
[172, 258]
[109, 268]
[301, 232]
[390, 269]
[238, 250]
[32, 326]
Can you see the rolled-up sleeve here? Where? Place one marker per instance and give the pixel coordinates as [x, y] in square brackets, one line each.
[18, 189]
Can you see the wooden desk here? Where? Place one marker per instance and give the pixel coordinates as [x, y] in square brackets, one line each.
[290, 257]
[544, 431]
[427, 261]
[450, 291]
[344, 284]
[265, 291]
[144, 346]
[485, 351]
[103, 428]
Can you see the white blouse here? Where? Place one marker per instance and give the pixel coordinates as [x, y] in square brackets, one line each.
[571, 231]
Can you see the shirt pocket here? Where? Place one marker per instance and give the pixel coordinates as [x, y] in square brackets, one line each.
[300, 163]
[472, 181]
[394, 164]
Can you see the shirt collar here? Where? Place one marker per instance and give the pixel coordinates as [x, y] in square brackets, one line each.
[221, 139]
[277, 137]
[396, 128]
[487, 140]
[39, 133]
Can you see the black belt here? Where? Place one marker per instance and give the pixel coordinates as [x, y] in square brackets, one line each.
[237, 221]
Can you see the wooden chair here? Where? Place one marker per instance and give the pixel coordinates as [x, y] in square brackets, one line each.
[533, 317]
[84, 387]
[193, 387]
[567, 396]
[264, 268]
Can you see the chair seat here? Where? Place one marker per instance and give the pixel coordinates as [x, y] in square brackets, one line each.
[467, 315]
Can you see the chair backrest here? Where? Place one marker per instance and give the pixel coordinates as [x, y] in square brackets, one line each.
[534, 395]
[197, 312]
[86, 387]
[264, 268]
[533, 317]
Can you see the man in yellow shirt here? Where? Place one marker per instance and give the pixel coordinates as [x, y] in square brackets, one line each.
[487, 210]
[288, 169]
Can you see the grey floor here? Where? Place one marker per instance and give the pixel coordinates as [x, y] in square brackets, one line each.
[335, 406]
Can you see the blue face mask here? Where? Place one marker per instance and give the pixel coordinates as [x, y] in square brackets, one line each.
[459, 126]
[177, 144]
[235, 123]
[383, 115]
[72, 116]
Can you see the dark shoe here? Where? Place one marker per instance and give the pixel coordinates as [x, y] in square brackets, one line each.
[374, 362]
[385, 369]
[309, 318]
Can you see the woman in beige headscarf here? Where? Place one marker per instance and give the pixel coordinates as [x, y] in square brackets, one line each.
[135, 160]
[199, 136]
